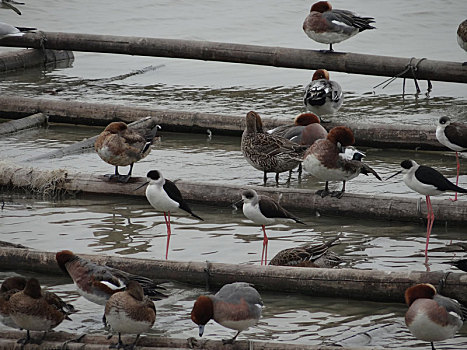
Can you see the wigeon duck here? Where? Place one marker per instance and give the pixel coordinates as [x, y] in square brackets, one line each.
[432, 317]
[462, 36]
[429, 182]
[14, 284]
[305, 130]
[308, 255]
[8, 4]
[269, 153]
[460, 264]
[236, 306]
[329, 26]
[323, 96]
[263, 210]
[165, 196]
[453, 135]
[121, 146]
[325, 161]
[97, 283]
[30, 310]
[130, 312]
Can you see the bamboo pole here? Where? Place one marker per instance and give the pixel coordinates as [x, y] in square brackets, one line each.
[371, 135]
[240, 53]
[31, 121]
[342, 283]
[354, 205]
[55, 340]
[11, 61]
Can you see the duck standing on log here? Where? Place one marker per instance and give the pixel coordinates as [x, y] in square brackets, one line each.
[462, 37]
[326, 160]
[323, 96]
[269, 153]
[329, 26]
[119, 145]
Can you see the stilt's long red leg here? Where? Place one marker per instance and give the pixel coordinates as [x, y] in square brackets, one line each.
[430, 219]
[264, 254]
[169, 232]
[457, 178]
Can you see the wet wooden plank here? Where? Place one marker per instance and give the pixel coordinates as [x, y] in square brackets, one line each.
[22, 59]
[29, 122]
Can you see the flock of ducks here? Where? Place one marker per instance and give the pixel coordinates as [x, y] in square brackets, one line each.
[328, 156]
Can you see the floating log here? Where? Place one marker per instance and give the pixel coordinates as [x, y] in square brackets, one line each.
[371, 135]
[55, 340]
[240, 53]
[31, 121]
[342, 283]
[354, 205]
[22, 59]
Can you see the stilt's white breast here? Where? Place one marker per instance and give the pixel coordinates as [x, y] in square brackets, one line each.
[253, 213]
[159, 199]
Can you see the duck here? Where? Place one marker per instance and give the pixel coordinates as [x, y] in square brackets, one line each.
[328, 26]
[98, 283]
[432, 317]
[269, 153]
[164, 195]
[31, 310]
[236, 306]
[119, 145]
[308, 255]
[326, 161]
[264, 210]
[323, 96]
[453, 135]
[130, 312]
[462, 37]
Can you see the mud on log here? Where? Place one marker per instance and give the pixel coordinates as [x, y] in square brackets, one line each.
[343, 283]
[371, 135]
[240, 53]
[23, 59]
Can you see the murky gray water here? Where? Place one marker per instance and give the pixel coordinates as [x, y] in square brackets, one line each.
[128, 226]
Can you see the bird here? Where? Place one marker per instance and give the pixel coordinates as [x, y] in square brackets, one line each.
[308, 255]
[8, 4]
[460, 264]
[264, 210]
[165, 196]
[7, 30]
[130, 311]
[432, 317]
[305, 130]
[269, 153]
[462, 37]
[328, 26]
[429, 182]
[31, 310]
[236, 306]
[97, 282]
[453, 135]
[12, 285]
[119, 145]
[326, 160]
[323, 96]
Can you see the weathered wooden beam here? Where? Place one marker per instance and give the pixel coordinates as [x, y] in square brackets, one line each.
[31, 121]
[22, 59]
[372, 135]
[55, 340]
[388, 286]
[354, 205]
[240, 53]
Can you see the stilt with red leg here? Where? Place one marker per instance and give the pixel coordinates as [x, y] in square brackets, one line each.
[264, 254]
[430, 216]
[169, 232]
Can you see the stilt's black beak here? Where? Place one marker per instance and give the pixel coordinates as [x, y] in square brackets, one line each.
[393, 175]
[137, 188]
[234, 205]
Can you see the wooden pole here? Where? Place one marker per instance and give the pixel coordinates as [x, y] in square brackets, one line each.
[343, 283]
[55, 340]
[239, 53]
[371, 135]
[354, 205]
[11, 61]
[31, 121]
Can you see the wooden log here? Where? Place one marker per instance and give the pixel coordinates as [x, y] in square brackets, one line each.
[55, 340]
[342, 283]
[371, 135]
[22, 59]
[354, 205]
[31, 121]
[240, 53]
